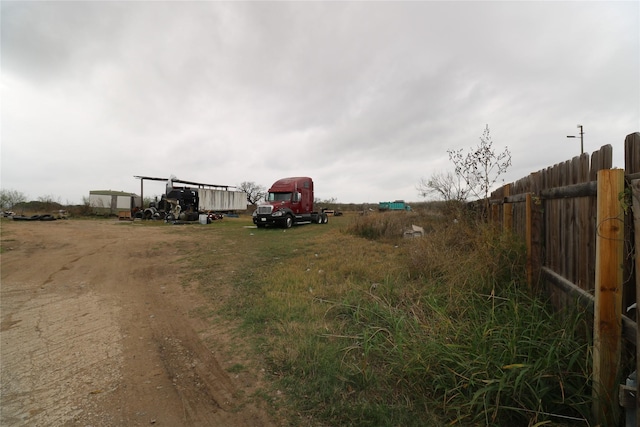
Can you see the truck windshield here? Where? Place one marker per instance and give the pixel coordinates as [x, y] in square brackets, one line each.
[279, 197]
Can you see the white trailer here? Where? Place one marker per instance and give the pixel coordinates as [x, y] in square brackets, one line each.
[210, 199]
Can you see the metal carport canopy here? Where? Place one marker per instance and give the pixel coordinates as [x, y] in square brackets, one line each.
[151, 178]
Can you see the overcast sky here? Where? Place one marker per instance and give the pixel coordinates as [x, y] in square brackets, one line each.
[365, 97]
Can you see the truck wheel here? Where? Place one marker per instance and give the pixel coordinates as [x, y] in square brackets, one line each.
[325, 219]
[288, 221]
[319, 219]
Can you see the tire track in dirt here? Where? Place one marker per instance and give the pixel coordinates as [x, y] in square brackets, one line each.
[67, 266]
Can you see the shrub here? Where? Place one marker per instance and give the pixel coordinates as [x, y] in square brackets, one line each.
[467, 254]
[390, 226]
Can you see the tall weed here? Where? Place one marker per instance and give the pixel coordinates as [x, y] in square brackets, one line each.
[390, 226]
[501, 359]
[467, 255]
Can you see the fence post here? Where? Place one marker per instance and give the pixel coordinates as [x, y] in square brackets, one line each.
[607, 333]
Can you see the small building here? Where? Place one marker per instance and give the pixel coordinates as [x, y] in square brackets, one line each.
[108, 202]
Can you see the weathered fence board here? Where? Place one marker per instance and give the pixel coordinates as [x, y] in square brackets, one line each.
[635, 194]
[632, 232]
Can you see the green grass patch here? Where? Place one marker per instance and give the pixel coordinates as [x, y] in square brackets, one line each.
[237, 368]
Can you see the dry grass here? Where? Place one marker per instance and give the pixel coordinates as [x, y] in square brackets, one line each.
[384, 330]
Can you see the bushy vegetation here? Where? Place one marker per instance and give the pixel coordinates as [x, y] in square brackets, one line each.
[359, 326]
[390, 226]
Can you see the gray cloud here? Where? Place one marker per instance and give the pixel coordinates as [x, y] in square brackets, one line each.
[365, 97]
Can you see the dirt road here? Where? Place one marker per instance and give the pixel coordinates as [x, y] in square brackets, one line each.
[98, 329]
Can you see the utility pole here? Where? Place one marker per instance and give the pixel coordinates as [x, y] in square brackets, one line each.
[581, 139]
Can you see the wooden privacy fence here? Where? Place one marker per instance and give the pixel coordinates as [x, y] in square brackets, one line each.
[581, 223]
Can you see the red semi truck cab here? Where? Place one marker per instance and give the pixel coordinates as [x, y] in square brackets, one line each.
[289, 202]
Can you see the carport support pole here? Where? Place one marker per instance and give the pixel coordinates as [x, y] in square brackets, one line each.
[141, 194]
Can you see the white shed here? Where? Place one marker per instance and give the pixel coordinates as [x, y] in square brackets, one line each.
[108, 202]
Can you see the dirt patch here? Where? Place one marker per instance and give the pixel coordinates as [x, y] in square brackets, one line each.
[98, 329]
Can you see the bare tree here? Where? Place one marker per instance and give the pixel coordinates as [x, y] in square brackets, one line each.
[446, 186]
[328, 201]
[255, 192]
[9, 198]
[481, 167]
